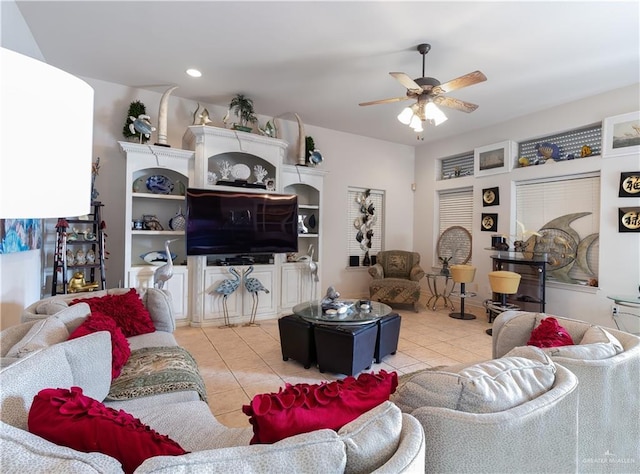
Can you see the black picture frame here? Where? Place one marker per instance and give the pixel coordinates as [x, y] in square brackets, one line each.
[629, 184]
[629, 219]
[489, 222]
[491, 197]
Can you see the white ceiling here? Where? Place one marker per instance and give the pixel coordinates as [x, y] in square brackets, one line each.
[320, 59]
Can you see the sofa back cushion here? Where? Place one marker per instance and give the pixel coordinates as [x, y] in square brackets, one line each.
[158, 303]
[596, 344]
[83, 362]
[42, 334]
[487, 387]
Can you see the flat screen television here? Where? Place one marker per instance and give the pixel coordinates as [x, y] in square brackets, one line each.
[236, 222]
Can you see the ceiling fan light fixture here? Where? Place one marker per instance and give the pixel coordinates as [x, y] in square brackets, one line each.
[434, 114]
[416, 123]
[404, 117]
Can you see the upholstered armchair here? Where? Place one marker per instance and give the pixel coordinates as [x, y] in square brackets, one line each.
[396, 278]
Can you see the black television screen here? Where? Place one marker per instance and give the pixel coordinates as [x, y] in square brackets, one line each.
[230, 222]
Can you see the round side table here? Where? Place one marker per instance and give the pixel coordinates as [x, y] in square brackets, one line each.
[440, 286]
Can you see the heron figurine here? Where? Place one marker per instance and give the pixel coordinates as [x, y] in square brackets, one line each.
[253, 286]
[165, 272]
[225, 288]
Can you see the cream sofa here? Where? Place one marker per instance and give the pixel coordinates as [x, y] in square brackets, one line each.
[609, 380]
[514, 414]
[381, 440]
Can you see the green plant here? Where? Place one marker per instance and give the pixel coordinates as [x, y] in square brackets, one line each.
[136, 108]
[243, 108]
[310, 145]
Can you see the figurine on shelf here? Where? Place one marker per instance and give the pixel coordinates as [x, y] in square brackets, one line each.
[78, 284]
[91, 257]
[71, 260]
[81, 259]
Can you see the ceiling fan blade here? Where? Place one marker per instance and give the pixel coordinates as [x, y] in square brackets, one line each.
[406, 81]
[460, 82]
[384, 101]
[457, 104]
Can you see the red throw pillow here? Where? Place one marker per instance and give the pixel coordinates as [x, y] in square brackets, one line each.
[550, 334]
[120, 350]
[127, 310]
[303, 408]
[69, 418]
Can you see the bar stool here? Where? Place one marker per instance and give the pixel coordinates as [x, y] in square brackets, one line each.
[462, 274]
[502, 283]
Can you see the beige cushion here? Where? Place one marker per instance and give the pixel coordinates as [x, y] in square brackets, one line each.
[42, 334]
[372, 438]
[159, 304]
[84, 362]
[487, 387]
[596, 344]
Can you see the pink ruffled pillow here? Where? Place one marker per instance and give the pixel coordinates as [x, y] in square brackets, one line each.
[126, 309]
[550, 334]
[303, 408]
[69, 418]
[120, 350]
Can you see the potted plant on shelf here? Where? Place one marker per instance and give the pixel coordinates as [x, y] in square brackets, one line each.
[242, 107]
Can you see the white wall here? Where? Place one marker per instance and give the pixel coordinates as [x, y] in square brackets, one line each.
[349, 160]
[619, 252]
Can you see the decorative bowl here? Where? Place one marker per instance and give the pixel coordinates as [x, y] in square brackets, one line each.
[159, 184]
[157, 257]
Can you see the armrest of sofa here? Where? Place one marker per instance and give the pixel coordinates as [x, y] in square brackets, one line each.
[376, 271]
[511, 329]
[417, 273]
[410, 455]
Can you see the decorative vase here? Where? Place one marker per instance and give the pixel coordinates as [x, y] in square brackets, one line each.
[366, 261]
[178, 222]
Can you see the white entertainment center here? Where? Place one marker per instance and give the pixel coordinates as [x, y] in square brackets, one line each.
[207, 152]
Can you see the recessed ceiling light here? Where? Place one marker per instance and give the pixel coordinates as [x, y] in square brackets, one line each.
[194, 73]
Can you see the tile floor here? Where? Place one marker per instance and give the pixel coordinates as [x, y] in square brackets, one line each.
[238, 363]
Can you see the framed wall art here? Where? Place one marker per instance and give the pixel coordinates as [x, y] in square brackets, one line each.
[489, 222]
[494, 159]
[629, 184]
[20, 235]
[490, 197]
[629, 219]
[621, 134]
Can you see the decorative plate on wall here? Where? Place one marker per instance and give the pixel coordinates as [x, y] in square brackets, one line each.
[455, 242]
[489, 222]
[491, 197]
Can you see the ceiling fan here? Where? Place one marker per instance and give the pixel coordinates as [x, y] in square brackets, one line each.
[428, 93]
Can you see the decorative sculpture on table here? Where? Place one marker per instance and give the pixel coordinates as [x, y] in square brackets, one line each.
[162, 117]
[253, 286]
[225, 288]
[165, 272]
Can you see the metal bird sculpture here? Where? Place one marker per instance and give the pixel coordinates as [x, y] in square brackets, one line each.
[165, 272]
[253, 286]
[225, 288]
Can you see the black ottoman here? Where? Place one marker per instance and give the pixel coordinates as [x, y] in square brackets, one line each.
[296, 340]
[388, 334]
[345, 349]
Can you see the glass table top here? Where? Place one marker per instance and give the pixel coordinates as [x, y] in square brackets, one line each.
[633, 299]
[356, 312]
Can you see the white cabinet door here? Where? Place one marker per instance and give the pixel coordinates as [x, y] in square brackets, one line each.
[297, 285]
[141, 277]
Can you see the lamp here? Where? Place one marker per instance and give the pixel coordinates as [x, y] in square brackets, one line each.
[418, 113]
[46, 134]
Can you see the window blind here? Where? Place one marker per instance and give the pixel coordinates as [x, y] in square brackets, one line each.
[455, 208]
